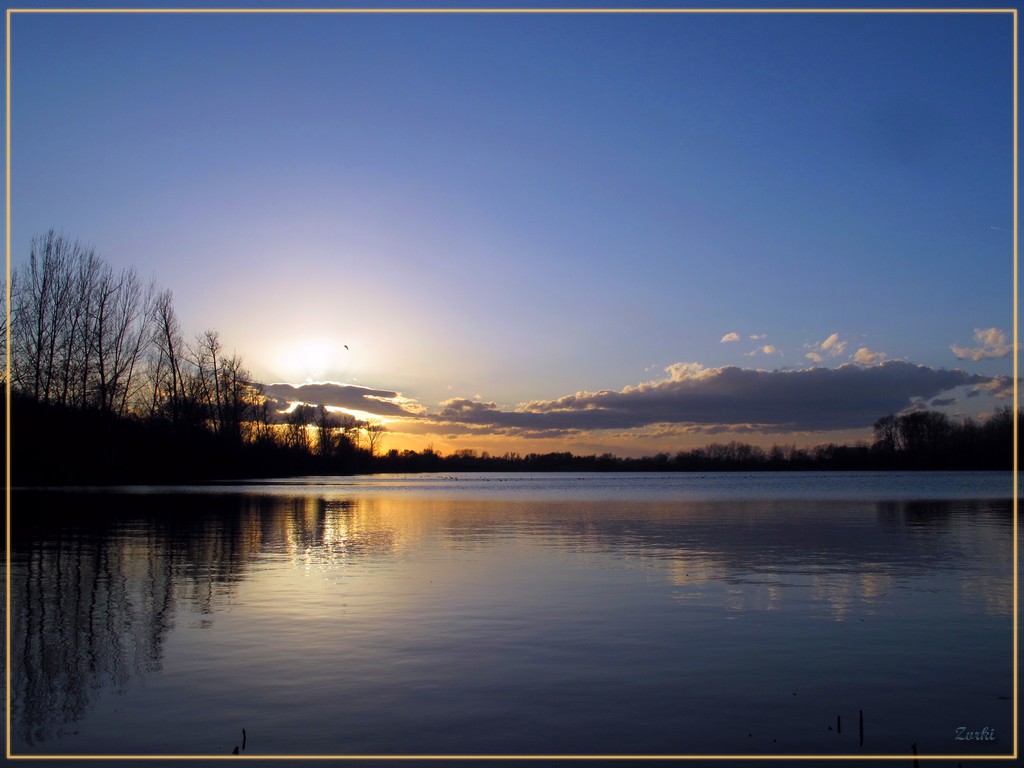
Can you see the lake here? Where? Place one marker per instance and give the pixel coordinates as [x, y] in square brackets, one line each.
[522, 614]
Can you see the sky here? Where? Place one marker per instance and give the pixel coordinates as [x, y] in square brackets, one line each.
[586, 232]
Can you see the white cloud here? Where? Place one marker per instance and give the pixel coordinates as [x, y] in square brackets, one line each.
[992, 343]
[832, 346]
[733, 336]
[867, 357]
[681, 371]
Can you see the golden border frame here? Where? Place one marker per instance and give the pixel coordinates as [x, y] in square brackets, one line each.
[479, 11]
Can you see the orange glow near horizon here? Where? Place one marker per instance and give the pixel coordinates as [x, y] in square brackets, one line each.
[636, 445]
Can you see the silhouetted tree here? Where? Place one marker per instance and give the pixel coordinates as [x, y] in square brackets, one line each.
[203, 354]
[79, 331]
[76, 339]
[261, 423]
[296, 422]
[328, 428]
[374, 429]
[349, 435]
[167, 381]
[931, 440]
[923, 433]
[38, 308]
[887, 434]
[120, 331]
[238, 397]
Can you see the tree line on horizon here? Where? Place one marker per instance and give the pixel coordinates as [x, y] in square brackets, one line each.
[105, 388]
[919, 440]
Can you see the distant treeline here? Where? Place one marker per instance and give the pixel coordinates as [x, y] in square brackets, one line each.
[925, 440]
[58, 445]
[105, 389]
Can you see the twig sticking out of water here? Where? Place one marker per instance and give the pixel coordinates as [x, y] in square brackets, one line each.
[235, 750]
[913, 748]
[243, 739]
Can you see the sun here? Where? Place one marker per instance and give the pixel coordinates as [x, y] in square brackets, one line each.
[312, 358]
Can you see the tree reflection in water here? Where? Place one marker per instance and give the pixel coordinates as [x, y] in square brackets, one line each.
[99, 580]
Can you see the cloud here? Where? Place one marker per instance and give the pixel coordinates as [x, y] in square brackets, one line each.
[817, 399]
[733, 336]
[682, 371]
[867, 357]
[832, 346]
[758, 336]
[999, 387]
[458, 408]
[384, 402]
[689, 399]
[992, 343]
[767, 349]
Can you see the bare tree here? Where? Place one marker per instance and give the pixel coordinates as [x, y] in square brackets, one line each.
[327, 429]
[296, 422]
[236, 396]
[887, 434]
[204, 356]
[37, 313]
[262, 427]
[75, 338]
[167, 380]
[374, 429]
[349, 431]
[78, 331]
[99, 324]
[120, 330]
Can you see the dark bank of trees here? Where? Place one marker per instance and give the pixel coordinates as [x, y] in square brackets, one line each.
[106, 388]
[932, 440]
[920, 440]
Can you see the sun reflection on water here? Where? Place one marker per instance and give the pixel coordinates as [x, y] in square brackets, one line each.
[383, 589]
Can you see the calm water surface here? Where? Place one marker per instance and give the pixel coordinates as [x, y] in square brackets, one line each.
[516, 614]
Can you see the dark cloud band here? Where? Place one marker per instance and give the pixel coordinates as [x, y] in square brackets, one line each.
[817, 399]
[692, 397]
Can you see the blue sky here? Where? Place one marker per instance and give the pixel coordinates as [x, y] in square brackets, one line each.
[494, 211]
